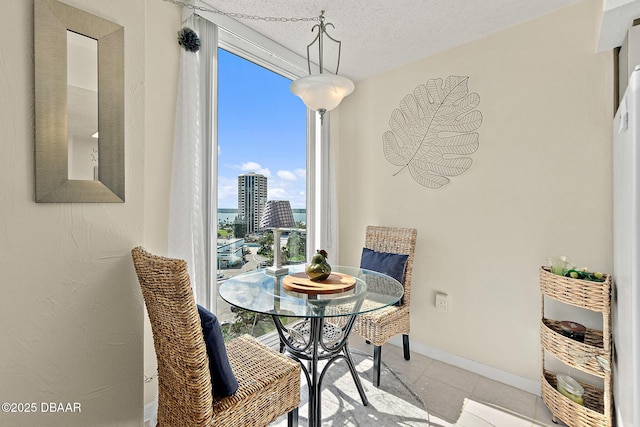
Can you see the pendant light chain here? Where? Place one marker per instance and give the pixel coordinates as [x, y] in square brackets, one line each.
[241, 15]
[319, 92]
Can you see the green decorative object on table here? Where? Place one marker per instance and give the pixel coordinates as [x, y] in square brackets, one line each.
[318, 269]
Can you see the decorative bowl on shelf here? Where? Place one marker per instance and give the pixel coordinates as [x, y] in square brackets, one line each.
[570, 388]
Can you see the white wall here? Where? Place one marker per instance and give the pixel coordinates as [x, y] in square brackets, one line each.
[161, 79]
[540, 184]
[71, 317]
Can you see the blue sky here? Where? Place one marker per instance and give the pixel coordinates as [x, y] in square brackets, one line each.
[262, 129]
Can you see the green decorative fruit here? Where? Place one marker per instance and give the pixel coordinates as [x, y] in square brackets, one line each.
[585, 274]
[318, 269]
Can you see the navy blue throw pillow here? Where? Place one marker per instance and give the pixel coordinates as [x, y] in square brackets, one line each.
[224, 382]
[385, 262]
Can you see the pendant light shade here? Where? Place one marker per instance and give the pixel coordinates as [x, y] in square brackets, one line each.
[322, 92]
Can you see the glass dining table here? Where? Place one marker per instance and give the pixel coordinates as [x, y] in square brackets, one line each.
[314, 319]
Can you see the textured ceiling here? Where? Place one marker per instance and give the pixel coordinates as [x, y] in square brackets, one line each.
[379, 35]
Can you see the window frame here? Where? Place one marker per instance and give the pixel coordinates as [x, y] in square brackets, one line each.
[249, 44]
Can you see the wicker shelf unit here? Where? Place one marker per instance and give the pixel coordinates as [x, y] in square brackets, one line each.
[592, 356]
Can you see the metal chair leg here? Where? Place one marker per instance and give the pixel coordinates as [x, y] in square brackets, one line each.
[377, 356]
[292, 418]
[405, 346]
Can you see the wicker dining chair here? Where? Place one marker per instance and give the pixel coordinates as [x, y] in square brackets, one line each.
[268, 382]
[378, 326]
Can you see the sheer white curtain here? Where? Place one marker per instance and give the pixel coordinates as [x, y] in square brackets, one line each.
[193, 216]
[190, 214]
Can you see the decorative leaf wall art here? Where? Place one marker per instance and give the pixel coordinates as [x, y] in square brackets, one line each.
[432, 132]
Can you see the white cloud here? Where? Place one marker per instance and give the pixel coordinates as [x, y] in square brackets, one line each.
[227, 192]
[278, 194]
[296, 197]
[250, 166]
[255, 167]
[287, 175]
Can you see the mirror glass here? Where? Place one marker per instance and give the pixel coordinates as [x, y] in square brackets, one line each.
[82, 106]
[79, 105]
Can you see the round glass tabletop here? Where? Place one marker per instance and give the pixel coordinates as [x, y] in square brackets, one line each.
[263, 293]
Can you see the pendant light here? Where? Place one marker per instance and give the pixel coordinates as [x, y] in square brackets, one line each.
[322, 92]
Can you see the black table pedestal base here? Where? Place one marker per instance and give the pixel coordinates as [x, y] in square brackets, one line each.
[313, 340]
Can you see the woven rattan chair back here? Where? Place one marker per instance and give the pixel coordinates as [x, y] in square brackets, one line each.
[184, 381]
[398, 241]
[268, 382]
[378, 326]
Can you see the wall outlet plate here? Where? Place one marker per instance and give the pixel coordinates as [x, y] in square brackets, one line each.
[442, 302]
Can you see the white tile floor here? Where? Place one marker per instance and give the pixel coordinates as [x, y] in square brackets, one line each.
[444, 387]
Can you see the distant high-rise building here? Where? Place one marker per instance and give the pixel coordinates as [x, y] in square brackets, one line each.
[252, 197]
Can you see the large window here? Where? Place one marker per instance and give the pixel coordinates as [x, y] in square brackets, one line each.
[262, 154]
[264, 144]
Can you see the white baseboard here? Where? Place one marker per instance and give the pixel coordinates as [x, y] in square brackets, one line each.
[150, 414]
[516, 381]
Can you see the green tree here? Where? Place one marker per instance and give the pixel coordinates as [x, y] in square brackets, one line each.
[266, 242]
[247, 322]
[239, 227]
[239, 230]
[296, 247]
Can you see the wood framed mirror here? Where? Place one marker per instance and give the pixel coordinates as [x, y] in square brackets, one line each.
[79, 105]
